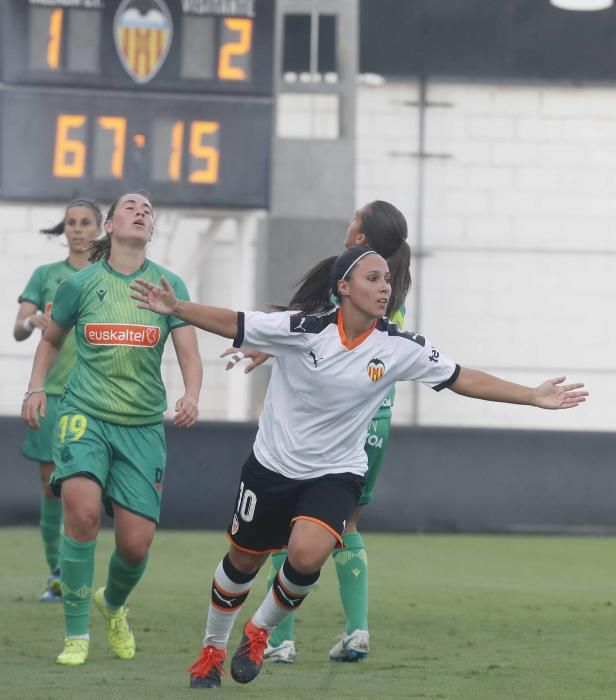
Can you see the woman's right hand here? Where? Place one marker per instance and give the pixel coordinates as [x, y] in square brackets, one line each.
[238, 354]
[32, 407]
[161, 300]
[40, 321]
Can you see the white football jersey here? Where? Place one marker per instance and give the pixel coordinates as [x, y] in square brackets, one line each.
[324, 391]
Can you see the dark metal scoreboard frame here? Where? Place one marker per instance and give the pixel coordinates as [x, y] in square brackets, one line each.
[174, 96]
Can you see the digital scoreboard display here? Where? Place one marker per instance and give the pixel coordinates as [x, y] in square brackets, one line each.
[174, 96]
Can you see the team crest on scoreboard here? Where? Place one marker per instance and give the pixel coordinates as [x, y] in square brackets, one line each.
[376, 369]
[142, 31]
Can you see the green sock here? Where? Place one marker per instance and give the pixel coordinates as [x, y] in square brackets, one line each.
[51, 526]
[352, 570]
[121, 580]
[286, 630]
[77, 572]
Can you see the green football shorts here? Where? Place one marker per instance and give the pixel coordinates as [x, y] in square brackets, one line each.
[375, 447]
[127, 461]
[37, 443]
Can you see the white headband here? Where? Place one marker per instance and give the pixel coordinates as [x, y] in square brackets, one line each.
[357, 259]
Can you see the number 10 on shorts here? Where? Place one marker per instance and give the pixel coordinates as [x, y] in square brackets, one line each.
[246, 504]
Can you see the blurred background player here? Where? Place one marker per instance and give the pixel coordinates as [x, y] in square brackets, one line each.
[289, 491]
[383, 227]
[81, 224]
[109, 444]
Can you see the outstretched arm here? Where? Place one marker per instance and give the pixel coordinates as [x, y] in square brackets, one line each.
[162, 300]
[552, 394]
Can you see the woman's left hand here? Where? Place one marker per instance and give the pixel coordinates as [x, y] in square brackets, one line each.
[553, 394]
[186, 412]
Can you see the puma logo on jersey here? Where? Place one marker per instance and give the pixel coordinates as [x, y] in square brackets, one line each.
[376, 369]
[130, 334]
[315, 359]
[101, 294]
[300, 325]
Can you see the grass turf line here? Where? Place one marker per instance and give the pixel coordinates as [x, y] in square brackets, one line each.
[452, 618]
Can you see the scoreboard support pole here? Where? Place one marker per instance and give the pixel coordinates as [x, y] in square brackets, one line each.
[313, 178]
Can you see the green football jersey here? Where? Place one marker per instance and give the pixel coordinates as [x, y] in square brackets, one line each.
[40, 291]
[385, 408]
[119, 347]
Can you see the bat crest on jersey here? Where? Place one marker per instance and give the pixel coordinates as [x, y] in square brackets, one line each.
[142, 30]
[131, 334]
[376, 369]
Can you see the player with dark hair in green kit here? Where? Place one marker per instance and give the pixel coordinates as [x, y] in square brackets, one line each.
[81, 224]
[383, 227]
[109, 441]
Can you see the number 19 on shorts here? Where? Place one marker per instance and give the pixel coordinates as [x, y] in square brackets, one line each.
[74, 425]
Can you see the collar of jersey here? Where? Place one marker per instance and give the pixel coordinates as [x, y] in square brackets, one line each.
[342, 334]
[115, 273]
[72, 267]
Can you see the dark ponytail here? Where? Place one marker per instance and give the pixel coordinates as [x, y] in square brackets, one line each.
[317, 287]
[314, 288]
[385, 228]
[400, 276]
[58, 229]
[100, 248]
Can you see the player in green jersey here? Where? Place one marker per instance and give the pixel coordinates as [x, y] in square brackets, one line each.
[383, 227]
[109, 442]
[81, 224]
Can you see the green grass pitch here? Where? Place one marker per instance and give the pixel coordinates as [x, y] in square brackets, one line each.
[452, 618]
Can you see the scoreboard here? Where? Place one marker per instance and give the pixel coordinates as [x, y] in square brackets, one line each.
[174, 96]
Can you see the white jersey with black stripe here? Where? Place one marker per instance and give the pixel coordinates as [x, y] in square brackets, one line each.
[324, 391]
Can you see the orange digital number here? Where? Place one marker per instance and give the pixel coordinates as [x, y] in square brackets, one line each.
[210, 154]
[69, 158]
[118, 126]
[175, 159]
[55, 39]
[227, 71]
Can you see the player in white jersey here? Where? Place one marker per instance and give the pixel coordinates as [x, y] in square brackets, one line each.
[383, 227]
[332, 369]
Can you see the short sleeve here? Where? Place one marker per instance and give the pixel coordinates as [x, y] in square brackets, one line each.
[34, 289]
[181, 293]
[421, 361]
[65, 308]
[269, 332]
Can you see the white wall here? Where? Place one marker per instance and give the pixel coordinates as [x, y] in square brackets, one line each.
[517, 263]
[518, 255]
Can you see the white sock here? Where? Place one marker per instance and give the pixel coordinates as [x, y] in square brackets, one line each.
[286, 594]
[230, 589]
